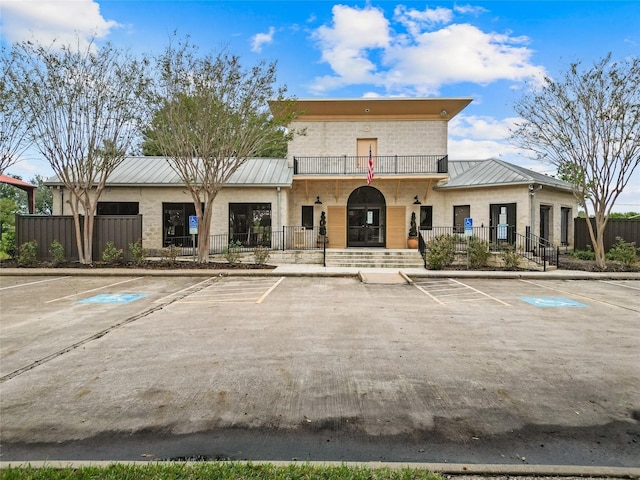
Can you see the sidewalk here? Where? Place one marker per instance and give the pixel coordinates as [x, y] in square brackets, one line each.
[314, 270]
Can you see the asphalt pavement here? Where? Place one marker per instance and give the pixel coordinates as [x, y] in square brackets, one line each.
[447, 370]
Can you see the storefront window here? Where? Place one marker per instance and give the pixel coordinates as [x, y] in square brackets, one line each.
[250, 223]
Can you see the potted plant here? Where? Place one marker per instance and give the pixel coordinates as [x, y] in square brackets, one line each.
[412, 239]
[322, 231]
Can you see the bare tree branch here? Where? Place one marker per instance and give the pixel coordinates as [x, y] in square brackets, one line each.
[588, 126]
[86, 107]
[211, 116]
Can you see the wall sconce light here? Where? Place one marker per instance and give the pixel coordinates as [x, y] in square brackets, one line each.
[416, 201]
[318, 202]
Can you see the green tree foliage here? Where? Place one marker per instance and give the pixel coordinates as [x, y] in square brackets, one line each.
[211, 115]
[86, 107]
[587, 124]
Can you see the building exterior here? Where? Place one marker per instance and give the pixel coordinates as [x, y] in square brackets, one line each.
[367, 164]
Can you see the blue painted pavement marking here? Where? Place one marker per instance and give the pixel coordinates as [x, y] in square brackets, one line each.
[113, 298]
[552, 302]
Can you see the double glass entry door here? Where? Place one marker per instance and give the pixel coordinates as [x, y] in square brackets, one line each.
[366, 227]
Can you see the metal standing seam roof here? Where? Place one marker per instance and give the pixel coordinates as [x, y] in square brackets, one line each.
[157, 172]
[494, 172]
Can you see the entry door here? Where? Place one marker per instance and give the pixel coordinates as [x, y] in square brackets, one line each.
[365, 229]
[545, 213]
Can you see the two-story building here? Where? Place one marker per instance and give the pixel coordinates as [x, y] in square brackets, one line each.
[367, 164]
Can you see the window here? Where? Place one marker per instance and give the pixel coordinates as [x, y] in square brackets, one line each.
[426, 217]
[250, 223]
[502, 220]
[117, 208]
[565, 219]
[176, 223]
[460, 212]
[307, 216]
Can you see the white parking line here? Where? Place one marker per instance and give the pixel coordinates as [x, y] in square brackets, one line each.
[270, 290]
[232, 291]
[93, 290]
[456, 291]
[481, 293]
[34, 283]
[427, 293]
[620, 284]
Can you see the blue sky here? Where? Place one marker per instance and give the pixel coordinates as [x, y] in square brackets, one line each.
[487, 50]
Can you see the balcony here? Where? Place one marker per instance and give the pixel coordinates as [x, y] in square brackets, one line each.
[382, 165]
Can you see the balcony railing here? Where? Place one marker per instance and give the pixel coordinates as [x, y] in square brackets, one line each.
[383, 165]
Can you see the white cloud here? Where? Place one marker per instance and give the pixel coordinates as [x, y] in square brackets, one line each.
[362, 47]
[347, 45]
[469, 9]
[416, 20]
[261, 39]
[43, 21]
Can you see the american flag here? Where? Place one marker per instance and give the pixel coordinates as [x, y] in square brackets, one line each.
[370, 169]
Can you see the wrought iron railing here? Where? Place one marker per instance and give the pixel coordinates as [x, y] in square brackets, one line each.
[383, 165]
[529, 246]
[289, 238]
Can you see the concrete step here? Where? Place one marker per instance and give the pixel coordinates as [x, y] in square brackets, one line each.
[374, 258]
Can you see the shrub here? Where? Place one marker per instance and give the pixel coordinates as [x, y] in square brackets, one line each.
[477, 253]
[170, 253]
[587, 254]
[510, 258]
[440, 252]
[111, 253]
[623, 252]
[28, 254]
[232, 252]
[261, 255]
[138, 253]
[8, 243]
[56, 252]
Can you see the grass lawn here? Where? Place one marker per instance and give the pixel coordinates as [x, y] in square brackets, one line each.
[221, 470]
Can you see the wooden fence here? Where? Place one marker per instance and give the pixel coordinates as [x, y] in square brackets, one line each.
[627, 228]
[119, 229]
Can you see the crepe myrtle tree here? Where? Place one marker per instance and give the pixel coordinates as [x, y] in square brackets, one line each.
[211, 115]
[14, 120]
[587, 124]
[86, 110]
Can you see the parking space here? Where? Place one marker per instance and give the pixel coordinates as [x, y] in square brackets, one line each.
[227, 364]
[450, 290]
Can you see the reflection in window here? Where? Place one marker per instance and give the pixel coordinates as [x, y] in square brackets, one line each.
[250, 224]
[460, 212]
[426, 217]
[117, 208]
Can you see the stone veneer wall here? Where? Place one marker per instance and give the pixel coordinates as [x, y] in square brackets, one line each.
[150, 200]
[394, 137]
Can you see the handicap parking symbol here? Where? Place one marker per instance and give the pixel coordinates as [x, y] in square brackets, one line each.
[113, 298]
[553, 302]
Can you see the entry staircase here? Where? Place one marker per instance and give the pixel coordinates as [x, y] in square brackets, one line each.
[374, 258]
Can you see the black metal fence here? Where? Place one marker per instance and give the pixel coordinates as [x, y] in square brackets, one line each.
[358, 165]
[528, 246]
[289, 238]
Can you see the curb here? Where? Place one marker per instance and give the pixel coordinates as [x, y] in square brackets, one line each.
[291, 270]
[445, 468]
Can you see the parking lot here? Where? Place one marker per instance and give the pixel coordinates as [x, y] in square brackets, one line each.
[275, 368]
